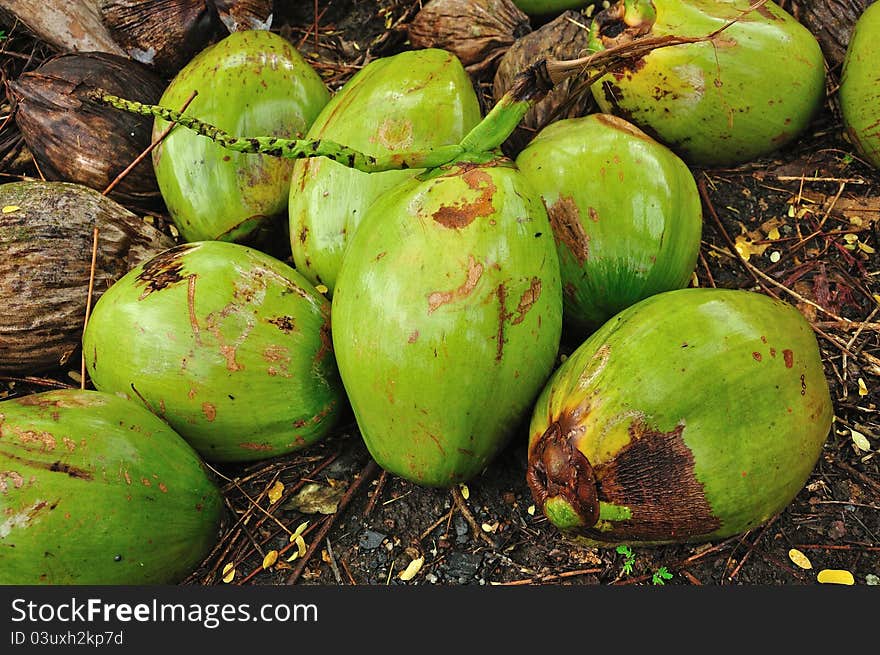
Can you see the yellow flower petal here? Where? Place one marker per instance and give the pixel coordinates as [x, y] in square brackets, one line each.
[799, 558]
[8, 209]
[835, 576]
[228, 572]
[410, 571]
[270, 558]
[863, 388]
[300, 545]
[321, 288]
[299, 530]
[860, 440]
[275, 492]
[465, 492]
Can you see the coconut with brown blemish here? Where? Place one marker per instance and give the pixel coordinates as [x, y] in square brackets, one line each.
[250, 362]
[663, 427]
[46, 239]
[624, 209]
[754, 87]
[445, 340]
[69, 511]
[415, 100]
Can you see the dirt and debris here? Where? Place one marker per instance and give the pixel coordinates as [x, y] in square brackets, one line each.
[802, 226]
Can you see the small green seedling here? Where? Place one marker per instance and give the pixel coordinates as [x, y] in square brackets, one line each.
[629, 560]
[660, 576]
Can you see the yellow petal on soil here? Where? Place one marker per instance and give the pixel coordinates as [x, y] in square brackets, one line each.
[465, 492]
[747, 248]
[270, 558]
[531, 510]
[863, 388]
[300, 545]
[864, 247]
[799, 558]
[8, 209]
[228, 572]
[321, 289]
[275, 492]
[299, 530]
[860, 440]
[294, 556]
[773, 234]
[410, 571]
[835, 576]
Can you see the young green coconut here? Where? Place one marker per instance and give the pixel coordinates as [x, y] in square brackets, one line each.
[251, 82]
[447, 309]
[625, 212]
[96, 490]
[388, 106]
[752, 89]
[860, 86]
[228, 344]
[693, 415]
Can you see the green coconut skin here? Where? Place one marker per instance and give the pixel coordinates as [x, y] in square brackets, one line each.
[251, 83]
[415, 100]
[447, 318]
[751, 91]
[701, 414]
[96, 490]
[546, 7]
[625, 213]
[231, 346]
[859, 91]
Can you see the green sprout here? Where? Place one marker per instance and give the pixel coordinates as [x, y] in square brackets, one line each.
[660, 576]
[629, 560]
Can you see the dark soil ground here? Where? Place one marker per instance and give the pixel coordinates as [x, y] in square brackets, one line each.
[825, 205]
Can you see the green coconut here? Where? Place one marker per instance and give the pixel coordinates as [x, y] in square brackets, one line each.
[546, 7]
[625, 212]
[415, 100]
[751, 89]
[693, 415]
[859, 92]
[96, 490]
[251, 83]
[447, 318]
[229, 345]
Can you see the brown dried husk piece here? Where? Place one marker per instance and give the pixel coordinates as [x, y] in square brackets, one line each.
[164, 34]
[565, 37]
[239, 15]
[77, 140]
[72, 25]
[46, 236]
[831, 22]
[478, 32]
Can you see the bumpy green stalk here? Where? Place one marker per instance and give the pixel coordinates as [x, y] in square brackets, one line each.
[291, 148]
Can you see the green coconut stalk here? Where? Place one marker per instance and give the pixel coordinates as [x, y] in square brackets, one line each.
[860, 86]
[694, 415]
[531, 86]
[228, 344]
[389, 106]
[96, 490]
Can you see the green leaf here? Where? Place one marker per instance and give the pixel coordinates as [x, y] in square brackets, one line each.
[660, 576]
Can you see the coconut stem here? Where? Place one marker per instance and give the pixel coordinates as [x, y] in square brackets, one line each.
[289, 148]
[530, 87]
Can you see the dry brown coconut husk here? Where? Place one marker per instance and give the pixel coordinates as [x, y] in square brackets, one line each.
[76, 140]
[164, 34]
[46, 236]
[831, 22]
[245, 14]
[565, 37]
[478, 32]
